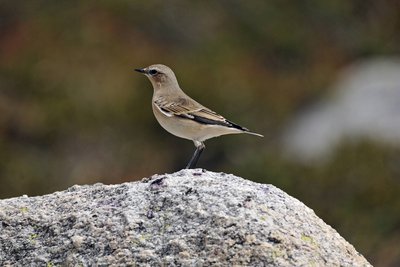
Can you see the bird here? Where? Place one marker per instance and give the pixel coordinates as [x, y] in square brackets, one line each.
[182, 116]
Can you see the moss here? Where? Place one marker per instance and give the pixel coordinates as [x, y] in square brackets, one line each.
[23, 209]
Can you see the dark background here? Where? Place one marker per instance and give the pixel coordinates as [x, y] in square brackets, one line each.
[73, 111]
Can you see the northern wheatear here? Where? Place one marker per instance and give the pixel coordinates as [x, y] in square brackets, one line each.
[181, 115]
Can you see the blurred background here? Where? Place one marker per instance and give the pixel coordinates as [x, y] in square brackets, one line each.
[320, 79]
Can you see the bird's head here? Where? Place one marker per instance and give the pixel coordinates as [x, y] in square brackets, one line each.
[159, 75]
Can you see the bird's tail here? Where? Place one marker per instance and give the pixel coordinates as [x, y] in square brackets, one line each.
[243, 129]
[248, 132]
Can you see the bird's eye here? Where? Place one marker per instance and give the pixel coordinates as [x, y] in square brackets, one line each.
[153, 72]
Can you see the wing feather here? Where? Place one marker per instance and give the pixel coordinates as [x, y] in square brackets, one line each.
[189, 109]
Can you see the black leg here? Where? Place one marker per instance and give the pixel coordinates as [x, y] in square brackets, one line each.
[193, 161]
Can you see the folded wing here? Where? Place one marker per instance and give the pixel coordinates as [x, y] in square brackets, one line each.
[187, 108]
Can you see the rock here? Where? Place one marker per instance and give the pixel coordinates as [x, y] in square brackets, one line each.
[188, 218]
[364, 105]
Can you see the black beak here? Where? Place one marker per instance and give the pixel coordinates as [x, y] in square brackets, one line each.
[141, 70]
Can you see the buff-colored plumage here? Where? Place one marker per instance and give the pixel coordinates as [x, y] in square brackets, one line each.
[181, 115]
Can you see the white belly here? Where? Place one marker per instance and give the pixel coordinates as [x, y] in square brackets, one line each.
[188, 129]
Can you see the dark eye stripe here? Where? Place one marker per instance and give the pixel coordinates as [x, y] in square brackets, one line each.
[153, 72]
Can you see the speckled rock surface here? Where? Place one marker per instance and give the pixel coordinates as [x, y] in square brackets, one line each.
[188, 218]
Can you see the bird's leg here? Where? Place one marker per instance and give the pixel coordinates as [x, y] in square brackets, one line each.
[193, 161]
